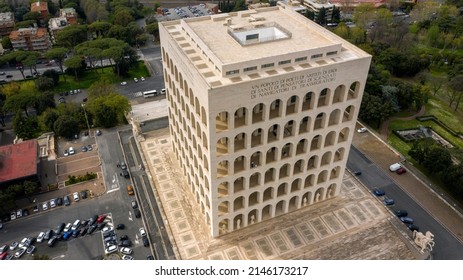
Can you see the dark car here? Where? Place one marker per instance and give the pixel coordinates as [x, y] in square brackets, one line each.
[49, 234]
[67, 201]
[120, 226]
[84, 231]
[108, 234]
[59, 201]
[110, 238]
[101, 226]
[149, 257]
[401, 213]
[92, 220]
[76, 233]
[101, 218]
[125, 243]
[357, 173]
[407, 220]
[123, 237]
[125, 174]
[146, 242]
[389, 201]
[91, 229]
[413, 227]
[9, 76]
[83, 194]
[379, 192]
[52, 241]
[25, 212]
[137, 213]
[401, 171]
[134, 204]
[59, 228]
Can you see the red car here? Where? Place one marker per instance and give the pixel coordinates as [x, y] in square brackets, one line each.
[401, 171]
[3, 255]
[100, 218]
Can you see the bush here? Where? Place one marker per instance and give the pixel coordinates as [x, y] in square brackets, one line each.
[81, 178]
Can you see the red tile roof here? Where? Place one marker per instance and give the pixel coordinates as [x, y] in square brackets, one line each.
[18, 160]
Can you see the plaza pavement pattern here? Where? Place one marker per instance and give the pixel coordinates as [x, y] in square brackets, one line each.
[354, 225]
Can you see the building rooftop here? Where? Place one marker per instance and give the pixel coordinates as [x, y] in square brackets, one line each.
[18, 160]
[24, 32]
[39, 6]
[57, 23]
[6, 17]
[256, 37]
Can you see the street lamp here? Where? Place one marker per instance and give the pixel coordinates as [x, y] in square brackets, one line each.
[86, 119]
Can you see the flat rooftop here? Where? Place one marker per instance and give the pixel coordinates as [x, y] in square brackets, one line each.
[18, 160]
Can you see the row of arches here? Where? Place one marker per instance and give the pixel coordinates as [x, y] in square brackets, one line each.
[244, 187]
[259, 137]
[266, 211]
[278, 108]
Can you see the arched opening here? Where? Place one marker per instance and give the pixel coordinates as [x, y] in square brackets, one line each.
[256, 160]
[324, 98]
[286, 151]
[273, 133]
[293, 204]
[240, 117]
[339, 155]
[326, 159]
[253, 199]
[238, 222]
[258, 113]
[331, 191]
[319, 121]
[240, 142]
[266, 212]
[292, 104]
[221, 121]
[280, 208]
[289, 129]
[330, 139]
[238, 185]
[308, 101]
[335, 117]
[275, 109]
[222, 146]
[319, 194]
[322, 177]
[223, 208]
[339, 93]
[254, 180]
[268, 194]
[224, 226]
[271, 155]
[299, 167]
[239, 164]
[285, 171]
[335, 172]
[257, 138]
[309, 181]
[353, 90]
[343, 135]
[269, 175]
[238, 203]
[312, 163]
[282, 190]
[348, 114]
[304, 126]
[301, 147]
[296, 185]
[203, 115]
[316, 143]
[222, 168]
[253, 217]
[307, 199]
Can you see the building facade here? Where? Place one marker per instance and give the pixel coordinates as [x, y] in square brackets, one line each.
[262, 110]
[55, 25]
[6, 23]
[30, 39]
[41, 8]
[70, 15]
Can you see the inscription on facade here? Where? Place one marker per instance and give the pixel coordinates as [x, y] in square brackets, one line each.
[293, 83]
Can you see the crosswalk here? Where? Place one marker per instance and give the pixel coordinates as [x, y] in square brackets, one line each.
[137, 94]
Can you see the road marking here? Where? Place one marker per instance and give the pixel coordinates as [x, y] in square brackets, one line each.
[113, 190]
[130, 216]
[137, 94]
[60, 256]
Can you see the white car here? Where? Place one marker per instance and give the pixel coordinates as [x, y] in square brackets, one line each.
[142, 232]
[123, 83]
[13, 216]
[362, 130]
[107, 229]
[127, 258]
[19, 213]
[142, 78]
[135, 80]
[40, 237]
[71, 151]
[111, 249]
[45, 206]
[24, 243]
[76, 225]
[66, 153]
[125, 250]
[163, 91]
[67, 227]
[19, 253]
[52, 203]
[76, 196]
[14, 245]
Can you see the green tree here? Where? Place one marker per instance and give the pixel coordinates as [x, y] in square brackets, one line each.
[100, 28]
[52, 74]
[99, 88]
[109, 109]
[32, 16]
[240, 5]
[123, 17]
[71, 36]
[456, 91]
[66, 126]
[30, 188]
[44, 83]
[74, 63]
[153, 29]
[48, 118]
[321, 16]
[58, 55]
[21, 101]
[6, 42]
[25, 127]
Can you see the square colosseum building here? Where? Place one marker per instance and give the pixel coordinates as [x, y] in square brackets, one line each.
[262, 110]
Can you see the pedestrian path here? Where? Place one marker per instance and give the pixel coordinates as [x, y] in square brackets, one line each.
[354, 225]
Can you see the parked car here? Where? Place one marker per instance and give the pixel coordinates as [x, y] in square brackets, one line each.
[362, 130]
[83, 194]
[71, 151]
[137, 213]
[163, 91]
[149, 257]
[36, 208]
[67, 201]
[123, 165]
[125, 174]
[389, 201]
[89, 147]
[84, 231]
[123, 237]
[135, 80]
[91, 229]
[92, 220]
[127, 258]
[407, 220]
[357, 173]
[30, 249]
[75, 225]
[14, 245]
[19, 213]
[401, 171]
[49, 234]
[111, 249]
[59, 228]
[107, 229]
[146, 242]
[67, 227]
[134, 204]
[59, 201]
[3, 249]
[76, 196]
[401, 213]
[379, 192]
[84, 149]
[52, 241]
[76, 233]
[67, 235]
[125, 250]
[120, 226]
[142, 78]
[142, 232]
[98, 133]
[125, 243]
[13, 216]
[123, 83]
[19, 253]
[101, 218]
[52, 203]
[130, 190]
[413, 227]
[45, 206]
[40, 237]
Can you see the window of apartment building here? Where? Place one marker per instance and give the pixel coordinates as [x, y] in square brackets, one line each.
[332, 53]
[316, 55]
[232, 72]
[267, 65]
[284, 62]
[299, 59]
[250, 68]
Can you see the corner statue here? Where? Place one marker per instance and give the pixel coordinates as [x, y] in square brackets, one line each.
[424, 241]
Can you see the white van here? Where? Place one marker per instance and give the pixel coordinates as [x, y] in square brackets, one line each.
[394, 167]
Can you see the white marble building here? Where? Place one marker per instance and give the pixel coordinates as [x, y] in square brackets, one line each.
[262, 110]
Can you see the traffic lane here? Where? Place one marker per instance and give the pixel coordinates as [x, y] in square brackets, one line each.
[150, 83]
[447, 246]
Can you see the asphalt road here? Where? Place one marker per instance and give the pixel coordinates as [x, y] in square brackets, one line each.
[447, 247]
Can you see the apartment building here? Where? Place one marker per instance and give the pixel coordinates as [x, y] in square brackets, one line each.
[30, 39]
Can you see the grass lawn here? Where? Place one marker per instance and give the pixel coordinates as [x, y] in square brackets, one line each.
[92, 76]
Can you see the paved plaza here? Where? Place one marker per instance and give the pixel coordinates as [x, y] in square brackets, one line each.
[354, 225]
